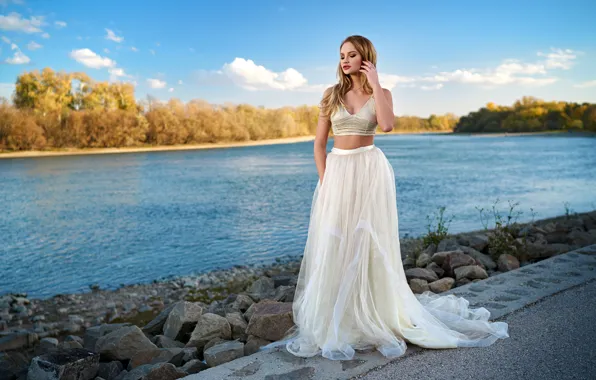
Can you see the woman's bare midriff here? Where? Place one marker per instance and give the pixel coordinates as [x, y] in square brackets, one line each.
[352, 141]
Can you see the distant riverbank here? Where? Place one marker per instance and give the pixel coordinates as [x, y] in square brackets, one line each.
[85, 151]
[286, 140]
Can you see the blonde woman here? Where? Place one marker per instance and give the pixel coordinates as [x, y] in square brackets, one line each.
[352, 293]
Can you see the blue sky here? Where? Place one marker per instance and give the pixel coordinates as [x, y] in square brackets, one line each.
[435, 56]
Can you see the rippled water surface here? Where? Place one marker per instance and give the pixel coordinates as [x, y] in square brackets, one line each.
[71, 221]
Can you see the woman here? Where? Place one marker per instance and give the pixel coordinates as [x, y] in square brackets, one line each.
[352, 291]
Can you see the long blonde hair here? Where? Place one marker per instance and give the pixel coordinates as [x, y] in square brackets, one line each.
[332, 99]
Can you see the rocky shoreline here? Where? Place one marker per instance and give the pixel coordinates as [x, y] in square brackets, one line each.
[175, 327]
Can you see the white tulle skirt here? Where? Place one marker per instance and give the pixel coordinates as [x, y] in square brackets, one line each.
[352, 293]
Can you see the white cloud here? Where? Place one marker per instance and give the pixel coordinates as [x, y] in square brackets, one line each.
[33, 45]
[117, 71]
[6, 39]
[18, 58]
[437, 86]
[112, 36]
[250, 76]
[509, 72]
[117, 74]
[559, 58]
[170, 89]
[152, 51]
[591, 83]
[134, 49]
[91, 59]
[389, 81]
[106, 50]
[60, 24]
[180, 82]
[45, 35]
[156, 83]
[14, 22]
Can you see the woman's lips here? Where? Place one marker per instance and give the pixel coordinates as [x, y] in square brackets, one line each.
[346, 67]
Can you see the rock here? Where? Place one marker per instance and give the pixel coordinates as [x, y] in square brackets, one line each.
[271, 320]
[163, 341]
[69, 344]
[479, 242]
[137, 373]
[439, 257]
[409, 262]
[544, 251]
[194, 366]
[421, 273]
[155, 327]
[462, 281]
[282, 279]
[208, 327]
[423, 260]
[238, 325]
[110, 370]
[213, 342]
[218, 308]
[580, 238]
[13, 365]
[47, 344]
[441, 285]
[123, 343]
[449, 244]
[418, 285]
[165, 371]
[253, 344]
[556, 237]
[507, 262]
[470, 272]
[284, 294]
[189, 353]
[252, 308]
[153, 356]
[485, 260]
[17, 341]
[436, 268]
[182, 320]
[74, 338]
[92, 334]
[223, 353]
[242, 303]
[77, 363]
[261, 288]
[430, 249]
[529, 230]
[456, 260]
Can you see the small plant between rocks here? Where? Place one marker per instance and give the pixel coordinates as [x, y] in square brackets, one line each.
[439, 232]
[502, 240]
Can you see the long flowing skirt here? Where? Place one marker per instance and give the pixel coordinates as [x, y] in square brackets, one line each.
[352, 293]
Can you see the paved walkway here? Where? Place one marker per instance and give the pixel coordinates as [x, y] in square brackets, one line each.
[551, 339]
[560, 323]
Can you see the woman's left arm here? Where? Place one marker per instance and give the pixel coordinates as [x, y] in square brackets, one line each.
[383, 98]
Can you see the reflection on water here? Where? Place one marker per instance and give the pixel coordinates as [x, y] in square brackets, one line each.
[71, 221]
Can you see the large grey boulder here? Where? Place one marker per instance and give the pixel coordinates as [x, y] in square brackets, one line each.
[123, 343]
[74, 364]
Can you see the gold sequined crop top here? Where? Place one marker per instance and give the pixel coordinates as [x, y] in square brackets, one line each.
[363, 122]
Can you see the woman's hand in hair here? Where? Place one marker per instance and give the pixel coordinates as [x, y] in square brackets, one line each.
[371, 73]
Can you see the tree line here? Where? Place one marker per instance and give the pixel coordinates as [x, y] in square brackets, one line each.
[530, 115]
[52, 110]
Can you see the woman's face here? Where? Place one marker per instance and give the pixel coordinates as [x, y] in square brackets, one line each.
[350, 59]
